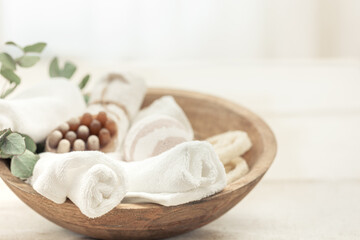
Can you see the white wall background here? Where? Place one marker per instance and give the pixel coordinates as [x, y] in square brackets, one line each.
[186, 29]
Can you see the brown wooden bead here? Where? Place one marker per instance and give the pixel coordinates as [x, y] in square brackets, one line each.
[64, 146]
[64, 128]
[93, 143]
[79, 145]
[102, 118]
[54, 138]
[83, 132]
[95, 127]
[86, 119]
[71, 136]
[74, 123]
[111, 126]
[104, 137]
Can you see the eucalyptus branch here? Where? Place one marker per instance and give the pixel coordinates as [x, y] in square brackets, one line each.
[28, 59]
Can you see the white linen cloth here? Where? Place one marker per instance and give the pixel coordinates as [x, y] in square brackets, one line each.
[188, 172]
[41, 108]
[120, 96]
[93, 181]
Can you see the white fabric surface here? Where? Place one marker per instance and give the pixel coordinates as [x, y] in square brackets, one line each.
[188, 172]
[91, 180]
[49, 103]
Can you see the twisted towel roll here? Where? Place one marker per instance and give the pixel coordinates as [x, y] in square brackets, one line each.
[93, 181]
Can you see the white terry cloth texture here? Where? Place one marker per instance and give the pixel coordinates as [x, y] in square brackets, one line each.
[230, 144]
[157, 128]
[120, 96]
[188, 172]
[153, 135]
[93, 181]
[165, 105]
[41, 108]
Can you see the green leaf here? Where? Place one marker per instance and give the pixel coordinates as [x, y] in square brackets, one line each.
[69, 70]
[7, 61]
[29, 143]
[3, 134]
[86, 98]
[8, 91]
[22, 166]
[4, 156]
[54, 69]
[37, 47]
[84, 81]
[13, 144]
[28, 61]
[10, 75]
[14, 44]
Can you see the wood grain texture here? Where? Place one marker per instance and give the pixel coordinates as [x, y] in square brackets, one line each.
[209, 115]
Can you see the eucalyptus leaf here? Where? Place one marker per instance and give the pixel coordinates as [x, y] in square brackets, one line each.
[29, 143]
[86, 98]
[69, 70]
[14, 44]
[13, 144]
[22, 166]
[7, 61]
[3, 134]
[10, 75]
[28, 61]
[84, 81]
[8, 91]
[37, 47]
[4, 156]
[54, 69]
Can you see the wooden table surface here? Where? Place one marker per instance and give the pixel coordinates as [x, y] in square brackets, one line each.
[312, 191]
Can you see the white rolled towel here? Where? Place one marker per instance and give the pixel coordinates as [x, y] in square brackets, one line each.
[41, 108]
[120, 96]
[166, 105]
[153, 135]
[93, 181]
[188, 172]
[157, 128]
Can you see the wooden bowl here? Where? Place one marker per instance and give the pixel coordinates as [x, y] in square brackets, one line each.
[209, 116]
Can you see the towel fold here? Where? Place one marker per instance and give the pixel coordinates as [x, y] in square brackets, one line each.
[236, 169]
[91, 180]
[188, 172]
[157, 128]
[41, 108]
[120, 96]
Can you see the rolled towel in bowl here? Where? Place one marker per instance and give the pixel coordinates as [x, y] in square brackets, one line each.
[188, 172]
[157, 128]
[120, 96]
[153, 135]
[93, 181]
[41, 108]
[166, 105]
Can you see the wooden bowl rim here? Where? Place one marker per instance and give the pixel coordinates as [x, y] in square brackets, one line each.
[266, 157]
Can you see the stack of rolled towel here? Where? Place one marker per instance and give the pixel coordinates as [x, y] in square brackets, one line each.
[155, 159]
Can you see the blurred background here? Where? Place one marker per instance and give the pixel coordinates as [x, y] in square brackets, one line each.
[295, 63]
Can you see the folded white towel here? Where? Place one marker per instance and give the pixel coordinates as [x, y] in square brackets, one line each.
[91, 180]
[120, 96]
[153, 135]
[188, 172]
[230, 145]
[41, 108]
[166, 105]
